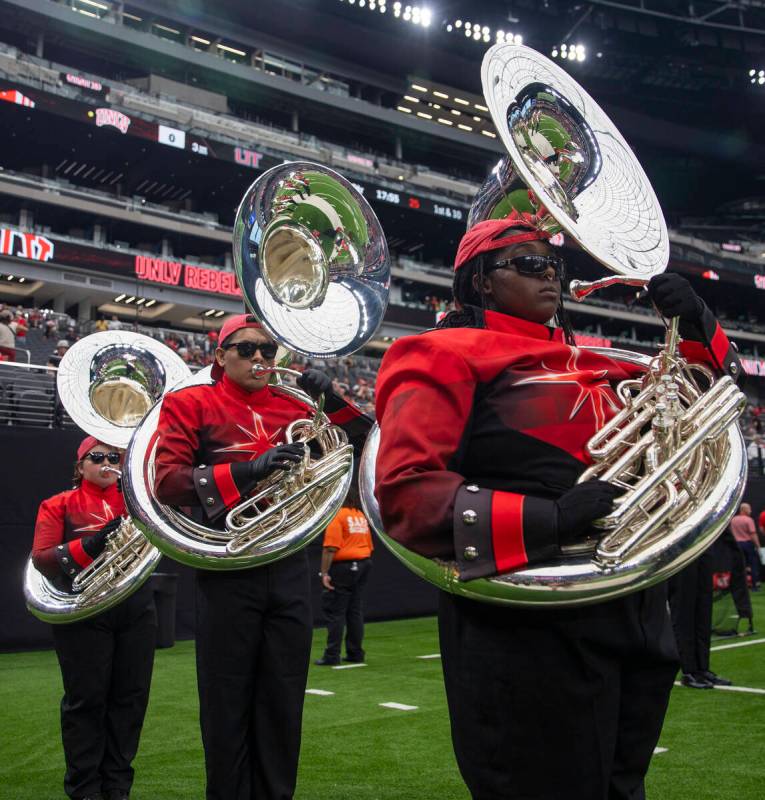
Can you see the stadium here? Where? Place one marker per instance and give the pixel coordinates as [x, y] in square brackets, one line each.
[131, 131]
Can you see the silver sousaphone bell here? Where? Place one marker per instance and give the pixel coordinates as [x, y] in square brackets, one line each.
[312, 260]
[107, 383]
[675, 446]
[313, 266]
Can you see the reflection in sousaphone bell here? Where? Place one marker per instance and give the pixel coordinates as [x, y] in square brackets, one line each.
[311, 259]
[108, 381]
[567, 158]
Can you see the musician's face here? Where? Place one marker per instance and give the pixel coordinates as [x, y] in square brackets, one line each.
[530, 297]
[239, 369]
[95, 472]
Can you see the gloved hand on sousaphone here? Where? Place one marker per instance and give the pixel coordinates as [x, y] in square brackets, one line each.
[94, 544]
[580, 506]
[247, 473]
[315, 383]
[674, 296]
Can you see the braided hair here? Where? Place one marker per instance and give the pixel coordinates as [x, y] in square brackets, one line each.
[471, 303]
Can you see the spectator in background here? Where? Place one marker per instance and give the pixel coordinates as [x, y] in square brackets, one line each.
[101, 325]
[61, 347]
[20, 326]
[742, 526]
[7, 337]
[345, 565]
[50, 328]
[114, 324]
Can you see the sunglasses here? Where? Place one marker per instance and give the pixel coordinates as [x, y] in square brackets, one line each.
[97, 458]
[532, 266]
[248, 349]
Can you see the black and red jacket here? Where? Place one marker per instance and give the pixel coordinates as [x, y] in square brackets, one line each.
[64, 519]
[204, 429]
[483, 428]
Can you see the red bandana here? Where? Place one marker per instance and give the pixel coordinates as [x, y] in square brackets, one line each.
[231, 326]
[487, 235]
[86, 445]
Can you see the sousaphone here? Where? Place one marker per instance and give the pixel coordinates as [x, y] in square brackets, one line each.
[107, 383]
[313, 266]
[675, 446]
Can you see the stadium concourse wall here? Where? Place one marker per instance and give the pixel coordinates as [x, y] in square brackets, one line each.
[37, 463]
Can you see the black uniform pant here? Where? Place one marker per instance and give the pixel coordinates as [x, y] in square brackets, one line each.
[345, 605]
[690, 600]
[557, 703]
[106, 664]
[253, 646]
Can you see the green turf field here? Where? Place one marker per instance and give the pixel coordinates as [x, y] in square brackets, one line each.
[715, 739]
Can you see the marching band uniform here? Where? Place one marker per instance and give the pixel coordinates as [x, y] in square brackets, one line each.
[483, 430]
[254, 626]
[106, 660]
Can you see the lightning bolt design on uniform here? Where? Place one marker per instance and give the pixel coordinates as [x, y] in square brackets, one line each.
[100, 521]
[257, 441]
[592, 387]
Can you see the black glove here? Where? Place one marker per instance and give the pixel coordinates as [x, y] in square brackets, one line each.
[315, 383]
[579, 506]
[94, 545]
[673, 296]
[247, 473]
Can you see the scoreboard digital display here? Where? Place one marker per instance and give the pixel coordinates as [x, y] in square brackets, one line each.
[104, 116]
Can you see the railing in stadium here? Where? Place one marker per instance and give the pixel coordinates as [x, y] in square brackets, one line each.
[28, 398]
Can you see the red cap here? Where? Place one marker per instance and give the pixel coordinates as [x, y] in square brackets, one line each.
[488, 235]
[231, 326]
[86, 445]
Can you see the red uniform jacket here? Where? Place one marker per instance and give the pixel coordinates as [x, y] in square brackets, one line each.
[204, 429]
[483, 428]
[64, 519]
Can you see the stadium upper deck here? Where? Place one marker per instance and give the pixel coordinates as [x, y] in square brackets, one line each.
[133, 175]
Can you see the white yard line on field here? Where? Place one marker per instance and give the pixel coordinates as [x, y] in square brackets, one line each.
[399, 706]
[737, 644]
[349, 666]
[320, 692]
[745, 689]
[430, 655]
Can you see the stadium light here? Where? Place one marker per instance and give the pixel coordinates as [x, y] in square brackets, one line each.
[570, 52]
[482, 33]
[757, 76]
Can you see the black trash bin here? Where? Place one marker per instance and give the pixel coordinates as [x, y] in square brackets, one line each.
[165, 586]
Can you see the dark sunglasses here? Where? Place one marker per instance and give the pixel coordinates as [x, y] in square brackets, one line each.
[248, 349]
[532, 266]
[97, 458]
